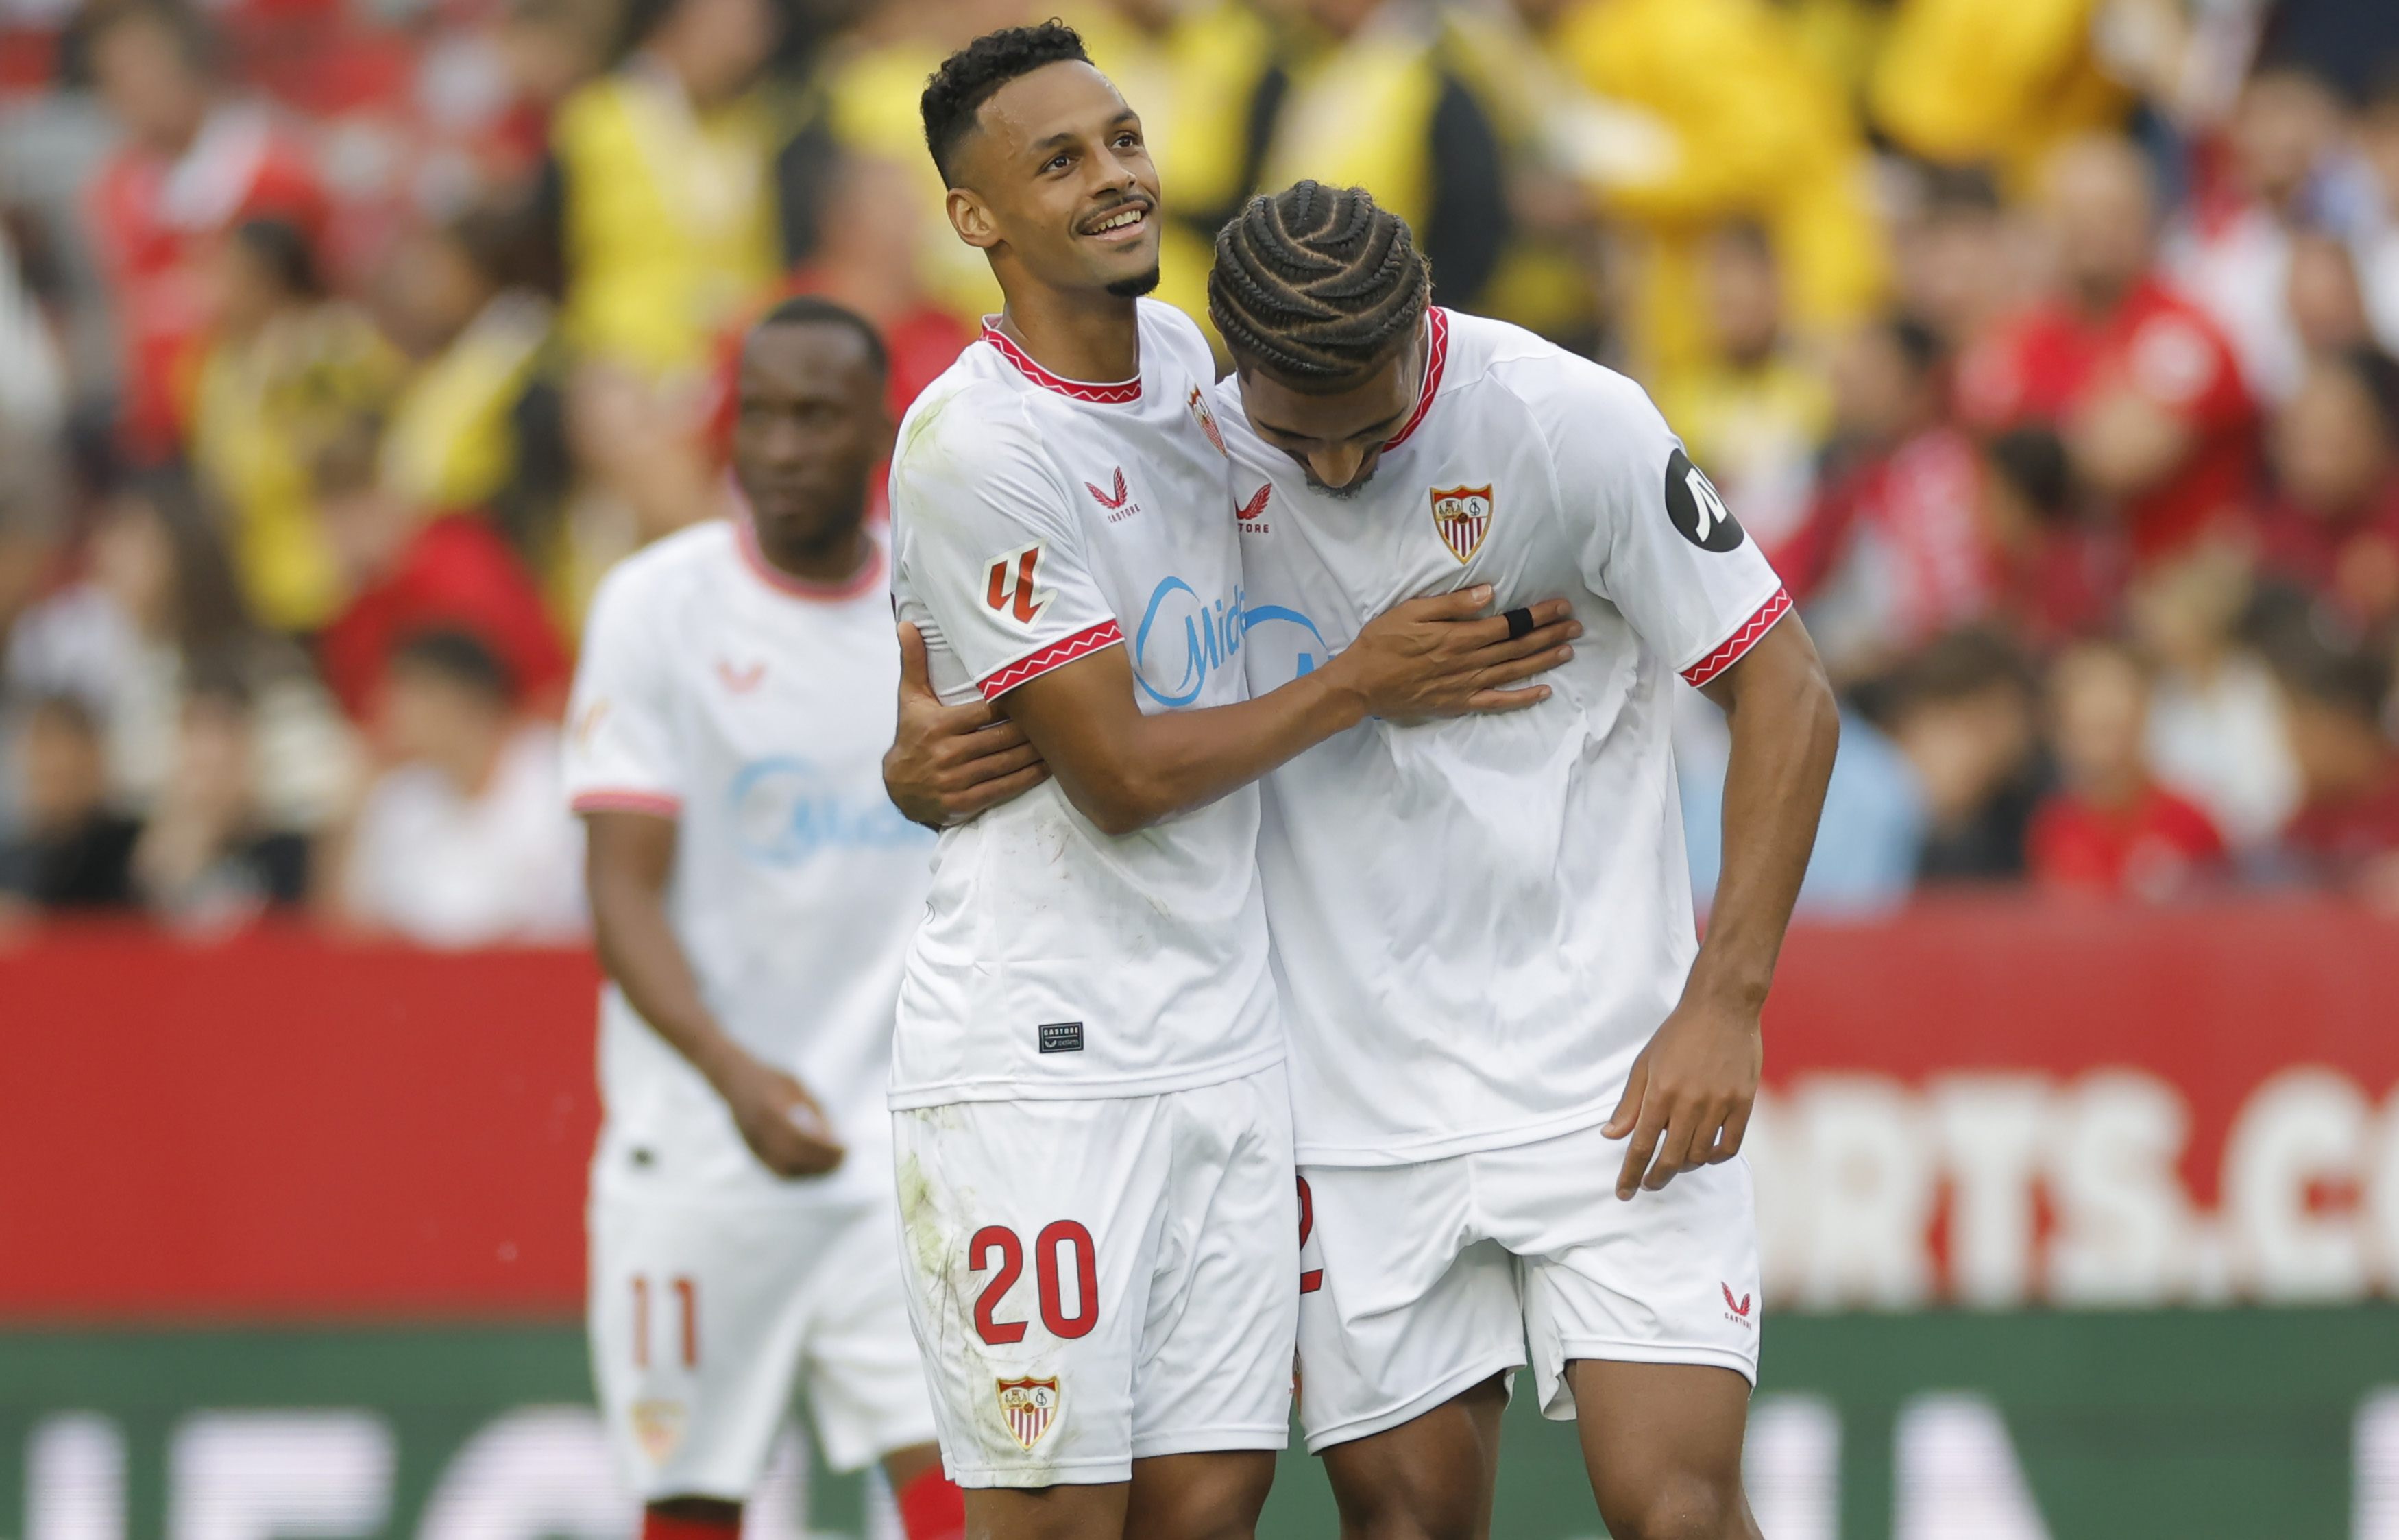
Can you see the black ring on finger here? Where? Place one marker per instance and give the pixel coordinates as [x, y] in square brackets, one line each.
[1520, 624]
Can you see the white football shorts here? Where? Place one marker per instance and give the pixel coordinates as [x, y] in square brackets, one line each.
[1419, 1282]
[705, 1316]
[1095, 1282]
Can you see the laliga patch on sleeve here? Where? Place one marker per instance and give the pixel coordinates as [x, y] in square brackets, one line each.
[1062, 1036]
[1699, 514]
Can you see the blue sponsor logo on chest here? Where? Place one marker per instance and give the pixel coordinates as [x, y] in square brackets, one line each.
[785, 810]
[1182, 640]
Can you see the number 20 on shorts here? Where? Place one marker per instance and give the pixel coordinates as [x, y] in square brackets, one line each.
[1063, 1233]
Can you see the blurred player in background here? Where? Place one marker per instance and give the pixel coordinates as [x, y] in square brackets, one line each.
[1093, 1128]
[751, 897]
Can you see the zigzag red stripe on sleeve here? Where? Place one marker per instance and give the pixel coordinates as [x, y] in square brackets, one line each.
[1057, 655]
[1744, 638]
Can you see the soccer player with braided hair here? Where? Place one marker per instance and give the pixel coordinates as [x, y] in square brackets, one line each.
[1090, 1113]
[1519, 1089]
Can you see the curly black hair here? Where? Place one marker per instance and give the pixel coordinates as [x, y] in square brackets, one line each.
[967, 78]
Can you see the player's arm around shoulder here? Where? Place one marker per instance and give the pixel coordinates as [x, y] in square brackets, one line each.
[1125, 770]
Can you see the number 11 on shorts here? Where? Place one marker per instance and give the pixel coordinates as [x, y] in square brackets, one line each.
[686, 1293]
[999, 1240]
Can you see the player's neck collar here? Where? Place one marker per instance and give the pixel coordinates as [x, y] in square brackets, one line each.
[1121, 393]
[868, 577]
[1436, 359]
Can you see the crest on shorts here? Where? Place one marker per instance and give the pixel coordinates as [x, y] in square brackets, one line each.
[657, 1427]
[1463, 517]
[1028, 1407]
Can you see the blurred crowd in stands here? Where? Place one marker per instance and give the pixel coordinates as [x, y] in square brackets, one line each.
[2047, 345]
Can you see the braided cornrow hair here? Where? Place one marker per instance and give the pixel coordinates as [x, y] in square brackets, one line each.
[1317, 284]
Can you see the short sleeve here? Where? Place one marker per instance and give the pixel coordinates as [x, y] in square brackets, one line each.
[1660, 545]
[619, 755]
[988, 552]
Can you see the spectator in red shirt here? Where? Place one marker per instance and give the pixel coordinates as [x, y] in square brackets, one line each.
[414, 574]
[1892, 552]
[196, 163]
[2057, 575]
[2345, 835]
[2334, 525]
[2136, 379]
[2110, 830]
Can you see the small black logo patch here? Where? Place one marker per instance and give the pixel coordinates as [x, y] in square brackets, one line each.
[1062, 1037]
[1699, 514]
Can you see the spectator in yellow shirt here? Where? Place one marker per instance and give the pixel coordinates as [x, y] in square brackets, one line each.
[666, 181]
[1754, 412]
[284, 364]
[1382, 102]
[1966, 82]
[1758, 130]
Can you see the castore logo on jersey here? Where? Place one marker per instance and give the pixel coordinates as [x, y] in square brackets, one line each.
[785, 811]
[1120, 504]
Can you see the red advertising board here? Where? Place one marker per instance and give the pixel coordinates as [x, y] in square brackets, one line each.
[1995, 1102]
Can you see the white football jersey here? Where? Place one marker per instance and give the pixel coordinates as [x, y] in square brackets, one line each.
[1036, 520]
[1478, 923]
[754, 711]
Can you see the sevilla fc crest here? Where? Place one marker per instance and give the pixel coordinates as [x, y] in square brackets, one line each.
[1463, 517]
[657, 1427]
[1028, 1407]
[1207, 420]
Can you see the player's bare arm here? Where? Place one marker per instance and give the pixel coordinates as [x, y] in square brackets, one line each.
[1125, 770]
[631, 854]
[1688, 1100]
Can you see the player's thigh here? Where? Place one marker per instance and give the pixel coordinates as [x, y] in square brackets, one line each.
[1662, 1444]
[1213, 1370]
[1404, 1306]
[1666, 1278]
[860, 1367]
[1028, 1232]
[697, 1314]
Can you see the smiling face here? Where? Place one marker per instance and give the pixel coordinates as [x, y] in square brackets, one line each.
[1337, 437]
[1055, 182]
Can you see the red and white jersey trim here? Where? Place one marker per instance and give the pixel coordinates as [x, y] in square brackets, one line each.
[601, 800]
[1117, 394]
[868, 578]
[1056, 655]
[1436, 359]
[1731, 650]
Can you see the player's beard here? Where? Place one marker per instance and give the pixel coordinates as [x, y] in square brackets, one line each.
[1341, 495]
[1136, 286]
